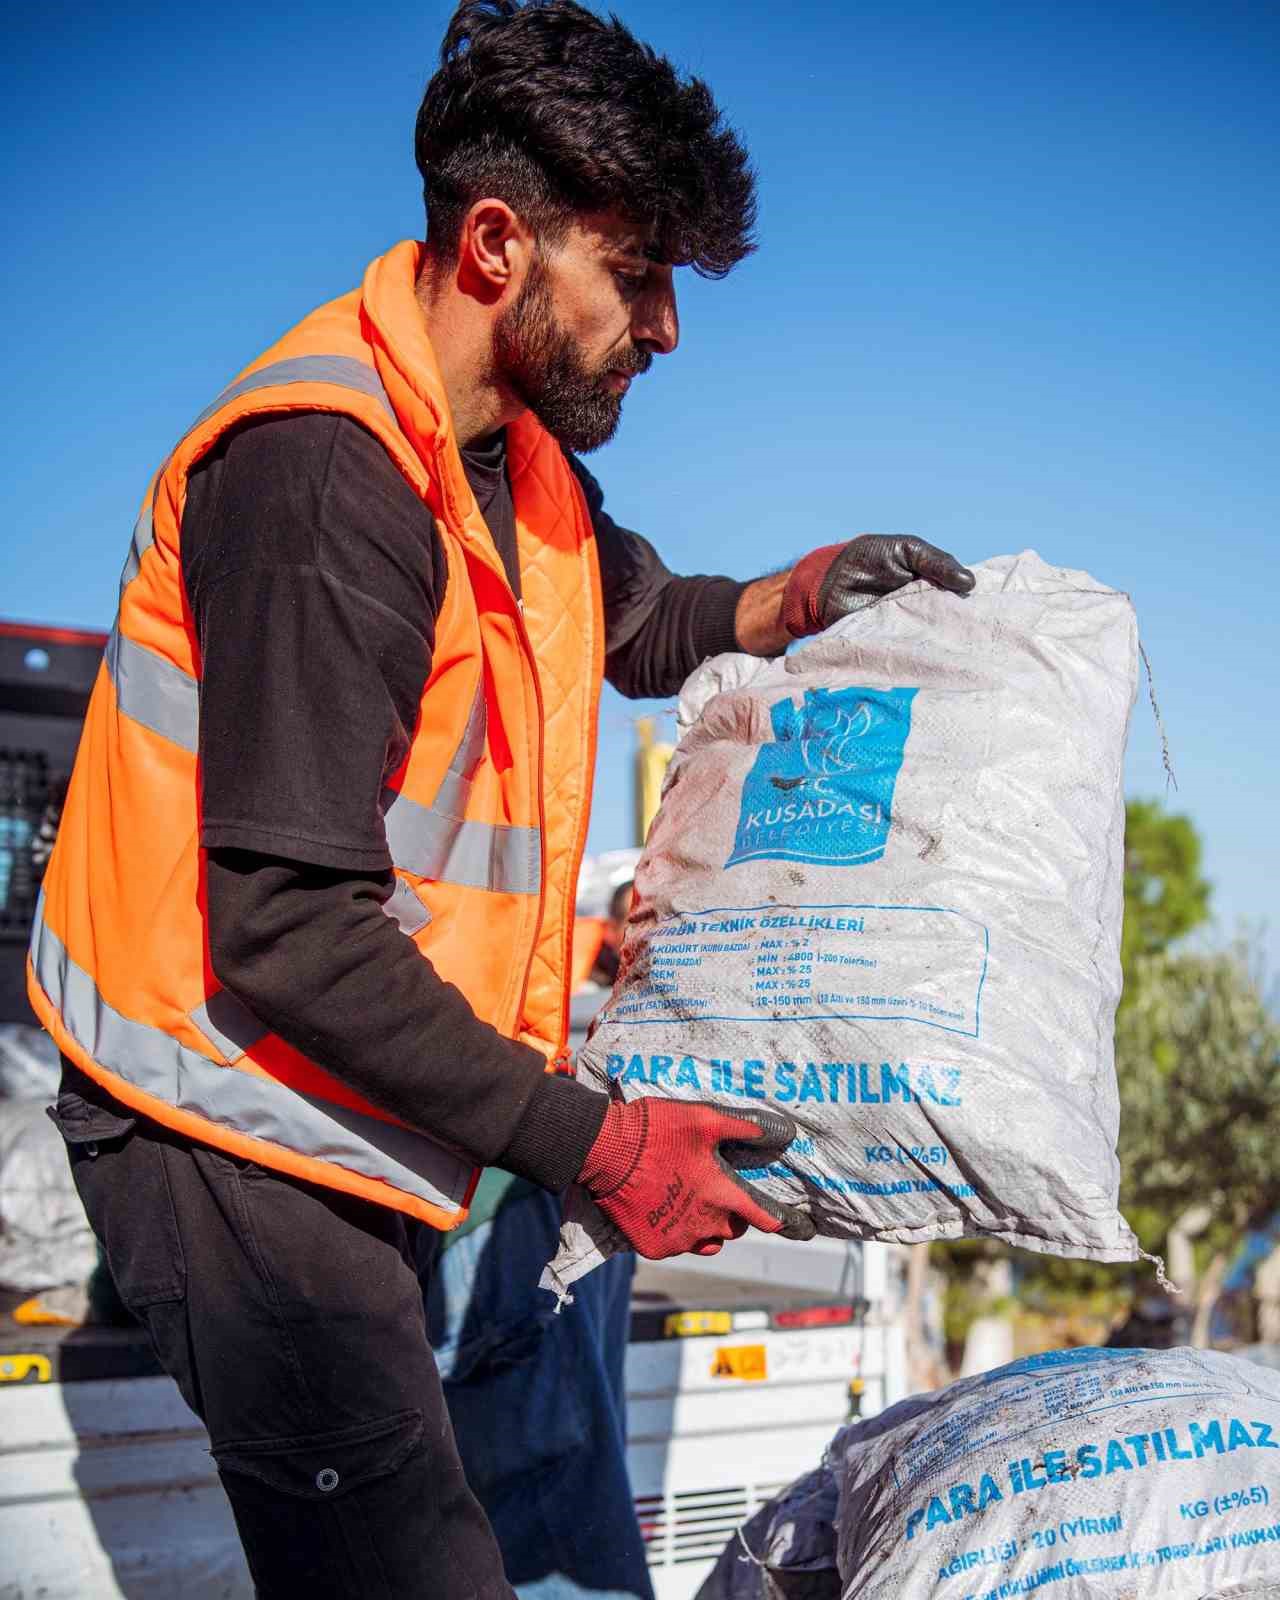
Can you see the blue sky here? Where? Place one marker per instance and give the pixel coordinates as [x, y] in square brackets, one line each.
[1017, 287]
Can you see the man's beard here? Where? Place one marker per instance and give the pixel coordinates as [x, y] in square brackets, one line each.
[543, 364]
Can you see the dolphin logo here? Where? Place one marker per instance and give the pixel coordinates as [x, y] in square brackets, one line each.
[822, 788]
[833, 751]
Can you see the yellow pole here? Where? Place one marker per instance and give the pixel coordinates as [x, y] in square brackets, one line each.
[651, 762]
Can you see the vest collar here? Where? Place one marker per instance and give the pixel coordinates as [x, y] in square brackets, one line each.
[407, 365]
[410, 373]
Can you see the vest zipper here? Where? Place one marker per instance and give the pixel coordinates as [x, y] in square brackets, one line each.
[542, 817]
[561, 1054]
[560, 1059]
[499, 572]
[571, 884]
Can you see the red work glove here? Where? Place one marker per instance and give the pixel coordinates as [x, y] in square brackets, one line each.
[662, 1171]
[831, 582]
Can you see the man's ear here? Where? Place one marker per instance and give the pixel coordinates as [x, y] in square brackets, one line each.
[494, 251]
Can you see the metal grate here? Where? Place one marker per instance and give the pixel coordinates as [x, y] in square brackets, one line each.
[696, 1524]
[24, 799]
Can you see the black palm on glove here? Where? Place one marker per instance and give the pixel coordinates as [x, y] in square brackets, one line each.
[831, 582]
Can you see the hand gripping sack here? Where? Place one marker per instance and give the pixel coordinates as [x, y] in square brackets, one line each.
[884, 892]
[1088, 1474]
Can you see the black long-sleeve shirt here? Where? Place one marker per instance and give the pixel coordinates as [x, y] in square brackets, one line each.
[315, 574]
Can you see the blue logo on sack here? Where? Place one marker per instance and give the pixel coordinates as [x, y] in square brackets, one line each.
[823, 790]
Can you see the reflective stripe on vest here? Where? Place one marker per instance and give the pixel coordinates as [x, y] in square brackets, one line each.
[261, 1108]
[436, 841]
[477, 855]
[345, 371]
[152, 691]
[143, 538]
[406, 910]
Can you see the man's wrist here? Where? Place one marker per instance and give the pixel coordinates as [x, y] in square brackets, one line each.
[758, 622]
[554, 1136]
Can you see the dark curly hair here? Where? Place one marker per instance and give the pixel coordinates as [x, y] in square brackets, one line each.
[557, 112]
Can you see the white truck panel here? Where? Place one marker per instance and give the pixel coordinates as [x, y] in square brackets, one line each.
[107, 1488]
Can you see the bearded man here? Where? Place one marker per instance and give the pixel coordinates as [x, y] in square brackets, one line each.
[305, 933]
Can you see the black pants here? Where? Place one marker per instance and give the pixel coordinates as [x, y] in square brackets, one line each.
[291, 1318]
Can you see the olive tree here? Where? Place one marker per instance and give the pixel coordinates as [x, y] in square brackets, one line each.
[1198, 1059]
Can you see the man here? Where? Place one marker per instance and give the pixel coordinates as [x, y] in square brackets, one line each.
[606, 964]
[304, 935]
[608, 930]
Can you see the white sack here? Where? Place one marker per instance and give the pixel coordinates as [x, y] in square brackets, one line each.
[1090, 1474]
[30, 1066]
[45, 1238]
[884, 893]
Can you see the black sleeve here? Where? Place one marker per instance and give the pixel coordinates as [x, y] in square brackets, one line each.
[311, 952]
[313, 573]
[658, 627]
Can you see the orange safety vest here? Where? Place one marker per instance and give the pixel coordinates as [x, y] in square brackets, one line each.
[485, 820]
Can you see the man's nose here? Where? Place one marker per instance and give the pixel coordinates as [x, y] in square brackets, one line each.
[655, 323]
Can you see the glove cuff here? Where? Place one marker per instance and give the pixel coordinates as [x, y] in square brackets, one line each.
[618, 1146]
[801, 616]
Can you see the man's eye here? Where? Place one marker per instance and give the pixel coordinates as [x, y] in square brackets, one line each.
[631, 283]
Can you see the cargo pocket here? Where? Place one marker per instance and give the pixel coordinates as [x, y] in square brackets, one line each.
[120, 1176]
[325, 1466]
[344, 1515]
